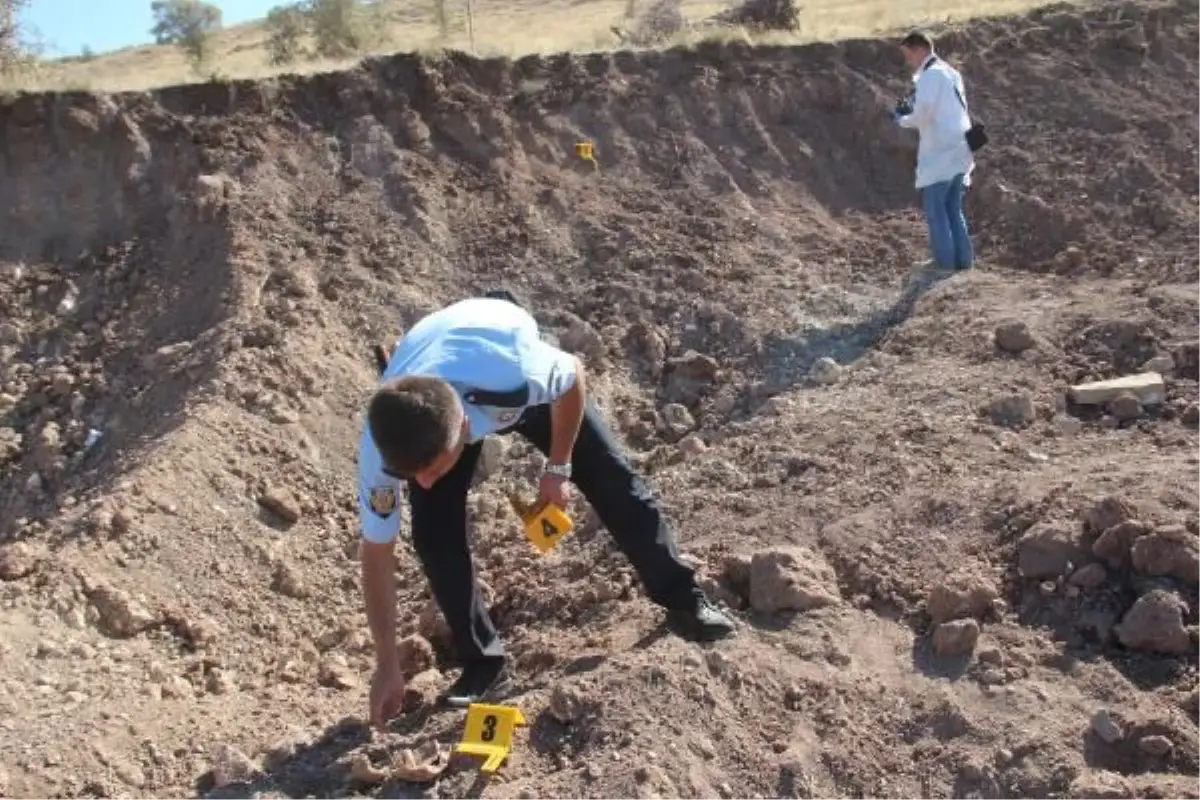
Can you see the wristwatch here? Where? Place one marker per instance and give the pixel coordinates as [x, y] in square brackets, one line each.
[559, 470]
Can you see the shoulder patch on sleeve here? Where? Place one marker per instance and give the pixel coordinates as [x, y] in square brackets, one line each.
[382, 500]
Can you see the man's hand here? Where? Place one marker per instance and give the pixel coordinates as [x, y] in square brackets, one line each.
[553, 489]
[387, 695]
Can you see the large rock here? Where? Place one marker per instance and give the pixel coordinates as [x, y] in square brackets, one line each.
[1115, 543]
[1048, 550]
[1155, 624]
[1169, 550]
[1100, 785]
[956, 638]
[1107, 511]
[791, 579]
[688, 376]
[961, 597]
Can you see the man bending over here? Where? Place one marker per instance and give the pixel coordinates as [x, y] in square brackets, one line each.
[475, 368]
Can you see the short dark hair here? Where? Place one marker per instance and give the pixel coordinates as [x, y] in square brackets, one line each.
[917, 39]
[413, 420]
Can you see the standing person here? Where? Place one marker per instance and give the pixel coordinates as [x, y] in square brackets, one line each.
[475, 368]
[938, 112]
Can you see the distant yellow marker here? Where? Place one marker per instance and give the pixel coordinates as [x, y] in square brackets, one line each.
[587, 151]
[489, 733]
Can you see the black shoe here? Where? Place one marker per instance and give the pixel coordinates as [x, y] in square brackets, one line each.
[480, 681]
[703, 622]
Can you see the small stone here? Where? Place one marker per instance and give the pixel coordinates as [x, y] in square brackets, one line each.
[17, 561]
[1125, 407]
[1157, 746]
[677, 420]
[1013, 410]
[1106, 727]
[1100, 785]
[288, 582]
[422, 690]
[692, 445]
[956, 638]
[118, 614]
[566, 704]
[1191, 415]
[1013, 337]
[281, 503]
[825, 371]
[336, 674]
[414, 654]
[230, 766]
[1089, 576]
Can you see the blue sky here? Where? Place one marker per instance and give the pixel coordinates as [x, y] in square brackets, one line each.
[67, 26]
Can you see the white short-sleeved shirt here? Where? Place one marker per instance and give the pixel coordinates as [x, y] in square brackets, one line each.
[481, 343]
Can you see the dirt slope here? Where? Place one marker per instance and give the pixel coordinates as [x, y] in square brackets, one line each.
[951, 580]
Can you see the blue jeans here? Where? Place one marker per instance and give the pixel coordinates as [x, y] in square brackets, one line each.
[948, 236]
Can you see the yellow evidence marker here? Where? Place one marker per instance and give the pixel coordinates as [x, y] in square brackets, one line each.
[545, 526]
[587, 151]
[489, 734]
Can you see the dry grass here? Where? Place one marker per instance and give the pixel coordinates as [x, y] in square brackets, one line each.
[501, 27]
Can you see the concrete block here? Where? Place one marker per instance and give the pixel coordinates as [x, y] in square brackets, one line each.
[1147, 387]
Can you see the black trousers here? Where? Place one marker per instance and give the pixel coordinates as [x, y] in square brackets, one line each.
[617, 493]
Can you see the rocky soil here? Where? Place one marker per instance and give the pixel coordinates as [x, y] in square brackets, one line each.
[951, 579]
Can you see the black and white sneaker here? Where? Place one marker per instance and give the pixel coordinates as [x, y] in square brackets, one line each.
[704, 622]
[480, 682]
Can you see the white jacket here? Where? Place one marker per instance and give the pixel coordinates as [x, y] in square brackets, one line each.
[941, 120]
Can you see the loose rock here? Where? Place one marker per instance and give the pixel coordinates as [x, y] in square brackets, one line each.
[17, 561]
[961, 597]
[567, 705]
[1105, 726]
[1108, 511]
[1156, 746]
[677, 420]
[825, 371]
[1089, 576]
[791, 579]
[956, 638]
[118, 614]
[1100, 785]
[1047, 550]
[1013, 337]
[1115, 543]
[1125, 407]
[288, 582]
[1170, 550]
[1013, 410]
[415, 655]
[1155, 624]
[230, 766]
[280, 502]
